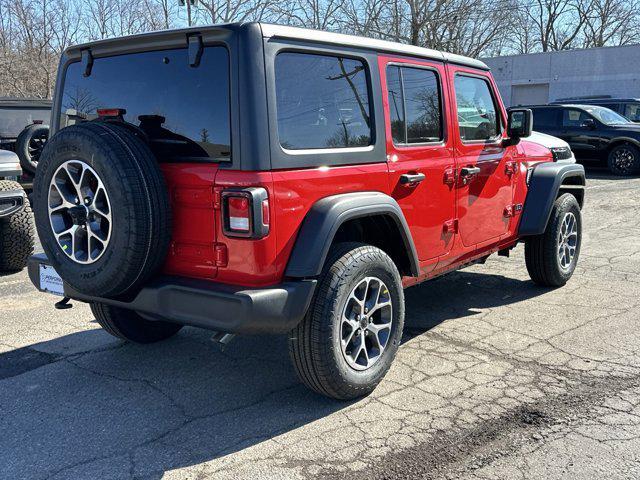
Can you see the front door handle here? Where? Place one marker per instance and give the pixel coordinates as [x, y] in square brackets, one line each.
[411, 178]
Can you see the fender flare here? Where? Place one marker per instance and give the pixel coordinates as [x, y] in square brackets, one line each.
[619, 140]
[321, 223]
[544, 185]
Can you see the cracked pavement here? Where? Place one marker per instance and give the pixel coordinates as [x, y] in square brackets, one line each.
[496, 378]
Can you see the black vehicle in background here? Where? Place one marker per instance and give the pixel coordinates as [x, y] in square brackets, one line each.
[24, 129]
[594, 133]
[627, 107]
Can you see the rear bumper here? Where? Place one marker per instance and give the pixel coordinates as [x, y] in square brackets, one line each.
[210, 305]
[11, 202]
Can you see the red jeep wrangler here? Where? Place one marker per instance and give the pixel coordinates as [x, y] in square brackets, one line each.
[264, 179]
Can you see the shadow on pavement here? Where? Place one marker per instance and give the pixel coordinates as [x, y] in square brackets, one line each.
[121, 410]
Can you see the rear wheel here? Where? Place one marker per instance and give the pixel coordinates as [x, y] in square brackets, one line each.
[347, 341]
[552, 257]
[17, 236]
[624, 160]
[130, 326]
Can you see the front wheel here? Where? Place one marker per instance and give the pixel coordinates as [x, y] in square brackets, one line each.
[17, 235]
[552, 256]
[347, 341]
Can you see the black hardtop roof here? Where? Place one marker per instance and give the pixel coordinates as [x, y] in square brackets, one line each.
[25, 102]
[293, 33]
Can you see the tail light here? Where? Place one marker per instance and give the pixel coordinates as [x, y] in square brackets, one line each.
[245, 212]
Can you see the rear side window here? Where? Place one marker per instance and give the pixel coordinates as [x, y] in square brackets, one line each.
[183, 110]
[477, 114]
[322, 102]
[545, 118]
[415, 106]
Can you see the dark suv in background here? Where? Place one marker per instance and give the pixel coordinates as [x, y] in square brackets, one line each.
[628, 107]
[595, 134]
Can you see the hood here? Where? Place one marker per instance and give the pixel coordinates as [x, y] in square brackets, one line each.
[545, 140]
[8, 157]
[627, 127]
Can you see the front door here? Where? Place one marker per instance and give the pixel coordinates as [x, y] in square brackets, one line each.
[420, 151]
[578, 129]
[484, 165]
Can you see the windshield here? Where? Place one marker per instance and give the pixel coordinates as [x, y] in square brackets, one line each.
[183, 110]
[606, 116]
[13, 120]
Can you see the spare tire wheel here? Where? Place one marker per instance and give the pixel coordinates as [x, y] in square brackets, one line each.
[102, 208]
[29, 146]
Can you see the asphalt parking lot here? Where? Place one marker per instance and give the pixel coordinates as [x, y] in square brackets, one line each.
[496, 378]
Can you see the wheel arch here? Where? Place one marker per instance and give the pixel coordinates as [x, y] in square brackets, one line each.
[548, 181]
[616, 142]
[370, 217]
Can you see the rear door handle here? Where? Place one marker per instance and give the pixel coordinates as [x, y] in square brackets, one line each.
[411, 178]
[469, 171]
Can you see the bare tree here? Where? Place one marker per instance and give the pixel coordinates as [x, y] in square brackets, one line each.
[610, 22]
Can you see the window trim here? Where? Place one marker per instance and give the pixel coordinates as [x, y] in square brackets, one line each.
[327, 150]
[489, 141]
[443, 120]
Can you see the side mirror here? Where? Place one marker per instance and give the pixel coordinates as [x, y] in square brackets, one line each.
[589, 123]
[519, 124]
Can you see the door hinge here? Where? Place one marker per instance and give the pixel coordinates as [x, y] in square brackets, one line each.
[512, 210]
[511, 168]
[450, 226]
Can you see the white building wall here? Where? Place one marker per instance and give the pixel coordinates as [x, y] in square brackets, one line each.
[611, 71]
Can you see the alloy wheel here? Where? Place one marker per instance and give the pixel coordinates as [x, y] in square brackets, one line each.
[366, 323]
[79, 212]
[567, 240]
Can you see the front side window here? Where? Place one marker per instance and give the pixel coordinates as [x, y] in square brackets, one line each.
[632, 111]
[574, 118]
[478, 118]
[414, 105]
[322, 102]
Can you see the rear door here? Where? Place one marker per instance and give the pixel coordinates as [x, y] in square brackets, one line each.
[485, 167]
[420, 150]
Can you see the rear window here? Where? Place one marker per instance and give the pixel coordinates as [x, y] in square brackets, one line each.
[183, 110]
[322, 102]
[13, 120]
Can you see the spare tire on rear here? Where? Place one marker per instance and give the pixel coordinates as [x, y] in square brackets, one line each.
[30, 144]
[102, 208]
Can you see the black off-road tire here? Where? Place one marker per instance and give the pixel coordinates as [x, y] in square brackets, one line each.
[29, 146]
[314, 345]
[541, 251]
[141, 216]
[128, 325]
[630, 165]
[17, 234]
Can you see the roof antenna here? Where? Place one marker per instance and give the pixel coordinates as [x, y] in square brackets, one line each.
[87, 62]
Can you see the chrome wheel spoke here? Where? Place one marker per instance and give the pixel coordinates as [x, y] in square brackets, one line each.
[80, 211]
